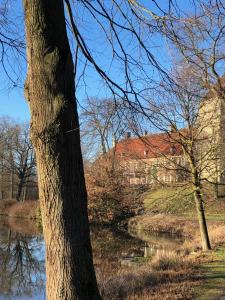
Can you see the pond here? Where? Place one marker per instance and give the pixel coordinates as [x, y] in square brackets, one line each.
[22, 255]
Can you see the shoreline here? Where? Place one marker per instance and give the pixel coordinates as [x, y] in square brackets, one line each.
[201, 267]
[207, 266]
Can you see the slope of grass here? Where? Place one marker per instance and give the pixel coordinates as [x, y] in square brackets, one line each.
[179, 200]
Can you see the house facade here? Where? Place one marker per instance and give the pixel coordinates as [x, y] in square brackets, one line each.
[212, 121]
[150, 159]
[160, 157]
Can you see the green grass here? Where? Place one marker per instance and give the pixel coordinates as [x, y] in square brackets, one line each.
[141, 259]
[213, 284]
[215, 217]
[179, 200]
[176, 200]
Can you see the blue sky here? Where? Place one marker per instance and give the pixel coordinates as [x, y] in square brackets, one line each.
[12, 102]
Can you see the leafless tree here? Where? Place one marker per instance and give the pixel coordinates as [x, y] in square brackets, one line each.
[190, 120]
[103, 123]
[190, 39]
[22, 271]
[17, 157]
[55, 129]
[12, 45]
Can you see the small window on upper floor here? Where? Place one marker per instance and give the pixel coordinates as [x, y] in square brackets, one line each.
[145, 153]
[173, 150]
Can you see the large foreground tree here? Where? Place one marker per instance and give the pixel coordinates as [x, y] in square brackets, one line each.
[50, 92]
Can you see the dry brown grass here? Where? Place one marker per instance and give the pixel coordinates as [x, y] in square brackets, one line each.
[180, 289]
[5, 206]
[216, 235]
[180, 226]
[169, 261]
[26, 209]
[12, 208]
[170, 277]
[24, 226]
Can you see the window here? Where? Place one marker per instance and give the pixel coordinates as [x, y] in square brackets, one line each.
[145, 153]
[173, 150]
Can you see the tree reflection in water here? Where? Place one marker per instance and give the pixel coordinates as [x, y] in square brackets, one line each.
[22, 264]
[22, 268]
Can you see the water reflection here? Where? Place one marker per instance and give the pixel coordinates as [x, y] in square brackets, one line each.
[22, 273]
[157, 244]
[114, 244]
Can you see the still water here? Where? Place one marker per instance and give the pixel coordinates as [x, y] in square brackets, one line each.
[22, 255]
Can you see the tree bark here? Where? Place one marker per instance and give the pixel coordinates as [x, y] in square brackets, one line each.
[20, 186]
[200, 210]
[12, 184]
[50, 91]
[202, 221]
[25, 192]
[199, 203]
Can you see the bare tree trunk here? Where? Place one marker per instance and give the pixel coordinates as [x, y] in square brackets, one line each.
[25, 192]
[199, 203]
[12, 184]
[20, 187]
[103, 145]
[200, 209]
[202, 221]
[55, 134]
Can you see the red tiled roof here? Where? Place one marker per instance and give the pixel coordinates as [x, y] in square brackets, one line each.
[150, 146]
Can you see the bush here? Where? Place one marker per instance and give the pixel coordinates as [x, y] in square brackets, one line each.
[167, 261]
[105, 192]
[26, 209]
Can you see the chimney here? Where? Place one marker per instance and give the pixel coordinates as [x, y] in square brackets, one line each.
[127, 135]
[172, 128]
[114, 141]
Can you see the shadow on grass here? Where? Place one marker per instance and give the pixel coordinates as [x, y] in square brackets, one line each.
[213, 277]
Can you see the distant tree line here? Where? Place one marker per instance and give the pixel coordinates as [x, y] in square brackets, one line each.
[18, 176]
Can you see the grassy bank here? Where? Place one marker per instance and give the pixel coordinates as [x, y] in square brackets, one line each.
[179, 200]
[22, 226]
[172, 210]
[207, 268]
[212, 266]
[164, 223]
[181, 226]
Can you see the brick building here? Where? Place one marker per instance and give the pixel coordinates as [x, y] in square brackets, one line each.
[150, 158]
[159, 157]
[212, 121]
